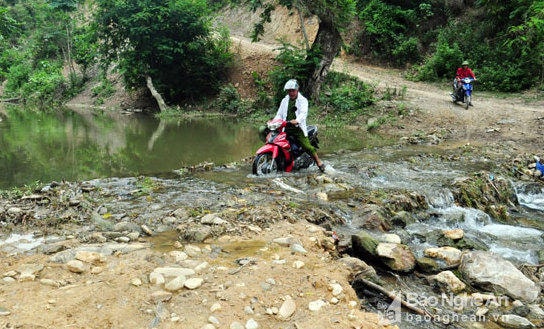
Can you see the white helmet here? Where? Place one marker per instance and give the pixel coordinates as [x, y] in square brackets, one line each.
[291, 84]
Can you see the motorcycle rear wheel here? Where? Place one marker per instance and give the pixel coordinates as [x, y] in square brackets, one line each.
[264, 164]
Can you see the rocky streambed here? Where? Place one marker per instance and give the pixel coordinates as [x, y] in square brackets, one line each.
[304, 250]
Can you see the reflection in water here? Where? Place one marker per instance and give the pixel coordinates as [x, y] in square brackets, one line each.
[39, 146]
[81, 144]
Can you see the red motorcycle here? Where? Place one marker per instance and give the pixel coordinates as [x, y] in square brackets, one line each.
[281, 153]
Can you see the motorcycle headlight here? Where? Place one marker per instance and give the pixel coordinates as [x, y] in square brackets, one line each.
[273, 125]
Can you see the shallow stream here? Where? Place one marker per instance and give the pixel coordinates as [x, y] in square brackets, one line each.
[83, 146]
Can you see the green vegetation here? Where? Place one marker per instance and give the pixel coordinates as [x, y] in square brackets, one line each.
[503, 40]
[36, 41]
[170, 41]
[102, 90]
[50, 48]
[17, 192]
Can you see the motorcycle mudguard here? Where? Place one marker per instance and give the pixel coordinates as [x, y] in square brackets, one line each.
[467, 89]
[274, 149]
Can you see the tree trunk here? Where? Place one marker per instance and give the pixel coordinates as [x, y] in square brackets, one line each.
[156, 95]
[326, 46]
[302, 26]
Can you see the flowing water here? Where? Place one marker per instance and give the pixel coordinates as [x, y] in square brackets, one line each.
[82, 146]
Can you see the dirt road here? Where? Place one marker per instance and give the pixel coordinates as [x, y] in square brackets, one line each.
[515, 119]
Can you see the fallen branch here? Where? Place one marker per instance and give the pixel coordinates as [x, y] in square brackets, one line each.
[392, 296]
[494, 187]
[287, 187]
[535, 266]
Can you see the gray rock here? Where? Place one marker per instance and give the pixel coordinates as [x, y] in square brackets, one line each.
[364, 244]
[493, 273]
[358, 267]
[396, 256]
[296, 247]
[212, 219]
[515, 322]
[252, 324]
[447, 282]
[193, 283]
[536, 311]
[4, 311]
[76, 266]
[450, 255]
[175, 284]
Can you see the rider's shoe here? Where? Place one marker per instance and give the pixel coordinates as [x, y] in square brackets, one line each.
[452, 97]
[470, 104]
[322, 167]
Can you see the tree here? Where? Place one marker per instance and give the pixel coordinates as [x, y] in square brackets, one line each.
[168, 41]
[61, 10]
[333, 17]
[528, 38]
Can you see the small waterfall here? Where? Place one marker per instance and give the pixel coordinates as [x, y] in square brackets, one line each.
[18, 243]
[440, 198]
[530, 195]
[518, 244]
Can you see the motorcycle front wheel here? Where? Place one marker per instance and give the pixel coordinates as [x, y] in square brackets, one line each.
[264, 164]
[467, 101]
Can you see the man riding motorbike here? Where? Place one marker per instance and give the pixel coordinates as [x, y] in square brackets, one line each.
[462, 72]
[294, 109]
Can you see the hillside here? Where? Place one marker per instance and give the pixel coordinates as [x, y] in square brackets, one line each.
[507, 121]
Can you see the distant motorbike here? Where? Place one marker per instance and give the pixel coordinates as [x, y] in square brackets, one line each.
[464, 94]
[281, 152]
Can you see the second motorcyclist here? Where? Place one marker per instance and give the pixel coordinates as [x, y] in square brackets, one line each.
[462, 72]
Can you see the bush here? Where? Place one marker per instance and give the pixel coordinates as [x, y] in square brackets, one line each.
[229, 100]
[46, 85]
[341, 93]
[386, 34]
[263, 100]
[294, 65]
[442, 64]
[102, 91]
[17, 76]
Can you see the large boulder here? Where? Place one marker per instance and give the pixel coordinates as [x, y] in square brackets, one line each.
[371, 217]
[493, 273]
[364, 245]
